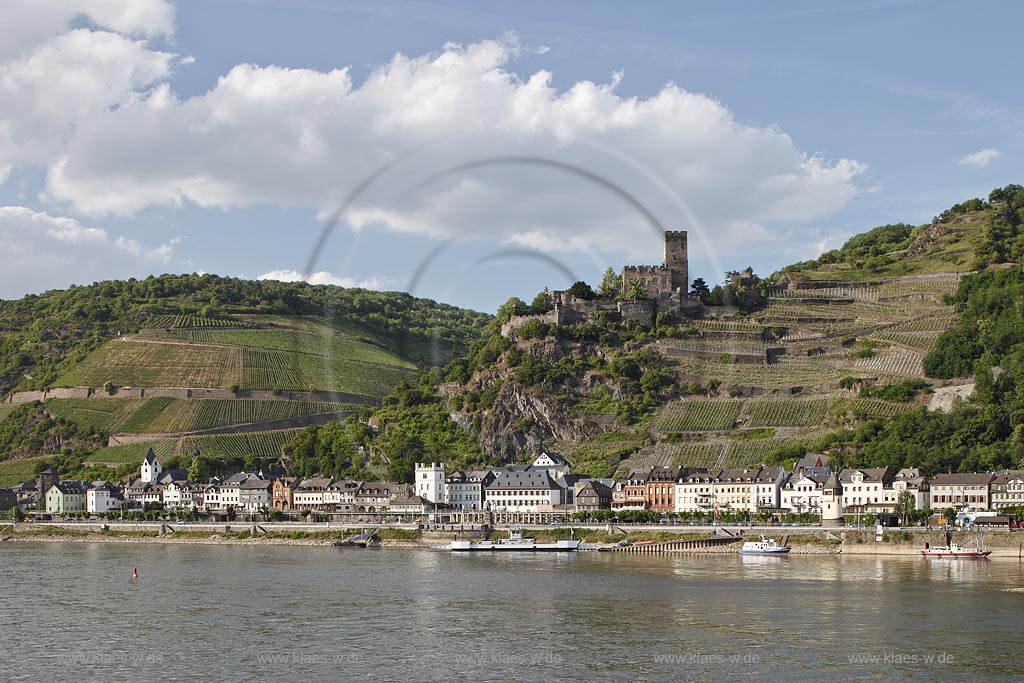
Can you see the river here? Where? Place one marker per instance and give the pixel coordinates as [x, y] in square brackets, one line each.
[203, 612]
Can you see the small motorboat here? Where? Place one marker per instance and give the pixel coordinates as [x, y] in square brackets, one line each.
[766, 546]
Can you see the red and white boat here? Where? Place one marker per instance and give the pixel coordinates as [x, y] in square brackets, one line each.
[954, 551]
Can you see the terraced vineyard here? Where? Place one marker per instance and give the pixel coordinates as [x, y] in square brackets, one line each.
[106, 414]
[328, 345]
[919, 334]
[6, 409]
[752, 452]
[133, 453]
[172, 415]
[166, 364]
[184, 321]
[259, 444]
[870, 408]
[698, 454]
[697, 415]
[154, 364]
[271, 369]
[908, 288]
[792, 412]
[788, 372]
[14, 472]
[893, 362]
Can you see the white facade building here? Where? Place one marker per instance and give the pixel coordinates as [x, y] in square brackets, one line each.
[430, 482]
[523, 491]
[102, 498]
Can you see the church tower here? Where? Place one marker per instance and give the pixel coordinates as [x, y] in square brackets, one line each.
[151, 468]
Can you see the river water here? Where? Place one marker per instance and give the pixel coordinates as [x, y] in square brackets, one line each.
[71, 611]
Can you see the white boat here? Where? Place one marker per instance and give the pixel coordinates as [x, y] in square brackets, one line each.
[515, 542]
[954, 551]
[766, 546]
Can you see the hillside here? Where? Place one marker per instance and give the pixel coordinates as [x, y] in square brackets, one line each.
[233, 368]
[852, 354]
[45, 338]
[833, 361]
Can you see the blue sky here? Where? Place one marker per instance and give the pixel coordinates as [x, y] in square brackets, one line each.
[519, 144]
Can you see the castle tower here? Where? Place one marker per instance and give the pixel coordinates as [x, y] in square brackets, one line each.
[430, 482]
[48, 478]
[151, 468]
[832, 502]
[677, 259]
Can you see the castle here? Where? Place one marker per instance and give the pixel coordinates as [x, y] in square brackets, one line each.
[670, 279]
[666, 288]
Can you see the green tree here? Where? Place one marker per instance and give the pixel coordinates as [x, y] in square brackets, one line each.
[611, 284]
[700, 290]
[581, 290]
[906, 508]
[636, 290]
[542, 302]
[950, 515]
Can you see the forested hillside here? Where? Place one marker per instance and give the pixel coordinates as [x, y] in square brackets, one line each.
[856, 354]
[43, 336]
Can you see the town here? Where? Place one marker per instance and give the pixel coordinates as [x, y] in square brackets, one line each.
[543, 491]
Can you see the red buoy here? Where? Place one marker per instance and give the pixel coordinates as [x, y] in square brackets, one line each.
[135, 572]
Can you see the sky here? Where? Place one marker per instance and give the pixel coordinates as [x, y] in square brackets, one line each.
[469, 152]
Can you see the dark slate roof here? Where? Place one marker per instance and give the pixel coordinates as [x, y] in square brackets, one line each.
[962, 479]
[315, 484]
[871, 474]
[531, 479]
[150, 457]
[1007, 476]
[664, 474]
[832, 483]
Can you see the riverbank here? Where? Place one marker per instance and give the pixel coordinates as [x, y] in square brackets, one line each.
[819, 542]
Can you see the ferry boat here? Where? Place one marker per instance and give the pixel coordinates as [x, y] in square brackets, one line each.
[766, 546]
[515, 542]
[954, 551]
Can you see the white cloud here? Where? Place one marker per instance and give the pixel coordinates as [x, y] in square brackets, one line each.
[981, 158]
[42, 251]
[52, 78]
[300, 137]
[29, 23]
[323, 277]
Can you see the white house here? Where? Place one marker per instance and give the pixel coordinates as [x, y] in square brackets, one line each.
[910, 479]
[340, 496]
[66, 496]
[868, 489]
[465, 490]
[519, 491]
[736, 490]
[179, 494]
[430, 482]
[254, 495]
[103, 498]
[1007, 490]
[556, 465]
[803, 491]
[376, 496]
[311, 494]
[211, 496]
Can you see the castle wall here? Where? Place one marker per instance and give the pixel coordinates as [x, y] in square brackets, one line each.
[670, 277]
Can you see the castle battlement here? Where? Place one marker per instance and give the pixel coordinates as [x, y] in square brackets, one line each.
[670, 277]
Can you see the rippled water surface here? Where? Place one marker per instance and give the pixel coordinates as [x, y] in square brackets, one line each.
[73, 612]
